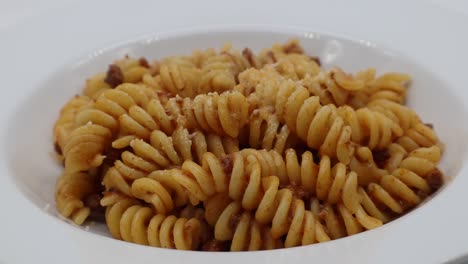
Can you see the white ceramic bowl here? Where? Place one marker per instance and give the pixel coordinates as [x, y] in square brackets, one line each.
[30, 163]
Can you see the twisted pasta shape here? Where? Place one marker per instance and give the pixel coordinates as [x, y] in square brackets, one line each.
[278, 51]
[162, 152]
[84, 147]
[365, 166]
[96, 85]
[219, 73]
[389, 86]
[337, 220]
[179, 75]
[333, 87]
[417, 136]
[264, 131]
[132, 69]
[324, 181]
[296, 66]
[134, 223]
[65, 123]
[191, 211]
[95, 125]
[400, 114]
[370, 128]
[71, 191]
[243, 231]
[319, 126]
[224, 114]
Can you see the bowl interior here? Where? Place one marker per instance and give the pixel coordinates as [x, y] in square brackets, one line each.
[30, 146]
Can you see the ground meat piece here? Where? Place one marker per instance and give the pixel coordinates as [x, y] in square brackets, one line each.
[114, 76]
[435, 179]
[298, 191]
[93, 201]
[429, 125]
[143, 62]
[215, 245]
[57, 148]
[322, 214]
[293, 47]
[227, 163]
[316, 59]
[234, 221]
[271, 56]
[380, 157]
[248, 54]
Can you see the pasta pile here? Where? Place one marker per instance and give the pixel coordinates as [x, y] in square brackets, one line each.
[228, 150]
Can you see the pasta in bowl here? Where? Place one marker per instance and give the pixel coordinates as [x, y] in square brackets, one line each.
[251, 149]
[235, 150]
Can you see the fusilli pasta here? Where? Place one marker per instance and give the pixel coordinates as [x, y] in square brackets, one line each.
[226, 150]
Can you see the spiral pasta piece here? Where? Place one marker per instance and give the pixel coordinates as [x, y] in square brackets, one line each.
[162, 152]
[319, 126]
[337, 220]
[417, 136]
[138, 224]
[264, 131]
[206, 231]
[224, 114]
[400, 114]
[218, 73]
[65, 122]
[278, 51]
[71, 191]
[96, 125]
[132, 69]
[243, 231]
[180, 76]
[370, 128]
[290, 218]
[365, 166]
[402, 189]
[84, 147]
[389, 87]
[97, 84]
[333, 86]
[331, 184]
[296, 66]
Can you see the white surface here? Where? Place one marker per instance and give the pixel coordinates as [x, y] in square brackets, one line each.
[35, 48]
